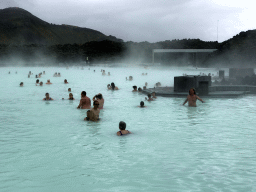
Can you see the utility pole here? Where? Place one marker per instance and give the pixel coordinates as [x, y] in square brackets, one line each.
[217, 30]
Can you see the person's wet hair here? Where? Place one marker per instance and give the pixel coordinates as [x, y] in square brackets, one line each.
[193, 90]
[99, 96]
[37, 81]
[149, 95]
[113, 85]
[21, 83]
[122, 125]
[139, 89]
[94, 102]
[142, 104]
[134, 87]
[46, 93]
[84, 93]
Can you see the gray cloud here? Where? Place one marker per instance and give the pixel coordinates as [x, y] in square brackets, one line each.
[142, 20]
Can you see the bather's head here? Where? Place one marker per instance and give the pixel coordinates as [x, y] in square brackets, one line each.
[122, 125]
[192, 91]
[141, 104]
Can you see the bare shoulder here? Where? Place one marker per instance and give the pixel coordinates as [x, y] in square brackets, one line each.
[118, 133]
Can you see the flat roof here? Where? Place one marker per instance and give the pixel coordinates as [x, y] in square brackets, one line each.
[184, 50]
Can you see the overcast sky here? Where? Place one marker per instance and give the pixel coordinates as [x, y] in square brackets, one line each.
[148, 20]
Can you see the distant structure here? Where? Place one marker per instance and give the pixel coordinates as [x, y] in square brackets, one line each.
[193, 51]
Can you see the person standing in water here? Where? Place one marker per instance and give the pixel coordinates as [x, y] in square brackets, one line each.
[47, 97]
[191, 98]
[85, 102]
[100, 99]
[122, 126]
[48, 82]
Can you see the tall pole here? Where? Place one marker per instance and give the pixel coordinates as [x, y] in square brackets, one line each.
[217, 30]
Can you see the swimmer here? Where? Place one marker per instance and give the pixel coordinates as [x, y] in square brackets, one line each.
[36, 76]
[153, 95]
[85, 102]
[94, 71]
[149, 98]
[146, 84]
[142, 73]
[37, 81]
[44, 72]
[21, 84]
[191, 98]
[144, 87]
[48, 82]
[65, 81]
[71, 97]
[130, 78]
[142, 104]
[59, 75]
[69, 89]
[146, 74]
[41, 83]
[28, 76]
[47, 97]
[100, 99]
[95, 112]
[55, 74]
[9, 72]
[113, 87]
[139, 89]
[103, 73]
[122, 126]
[134, 88]
[108, 73]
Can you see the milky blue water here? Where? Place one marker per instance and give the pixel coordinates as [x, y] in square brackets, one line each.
[46, 145]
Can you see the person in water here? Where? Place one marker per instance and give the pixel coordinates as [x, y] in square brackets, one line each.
[69, 89]
[113, 86]
[48, 82]
[95, 112]
[100, 99]
[47, 97]
[85, 102]
[122, 126]
[65, 81]
[149, 98]
[41, 83]
[142, 104]
[191, 98]
[153, 95]
[134, 88]
[71, 97]
[139, 89]
[21, 84]
[37, 81]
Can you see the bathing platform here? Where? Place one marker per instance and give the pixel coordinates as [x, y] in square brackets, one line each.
[214, 91]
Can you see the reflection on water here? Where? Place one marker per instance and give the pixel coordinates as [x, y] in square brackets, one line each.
[45, 145]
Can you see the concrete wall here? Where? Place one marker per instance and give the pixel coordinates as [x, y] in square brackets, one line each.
[184, 83]
[252, 89]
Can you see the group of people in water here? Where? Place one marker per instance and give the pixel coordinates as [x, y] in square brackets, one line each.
[92, 114]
